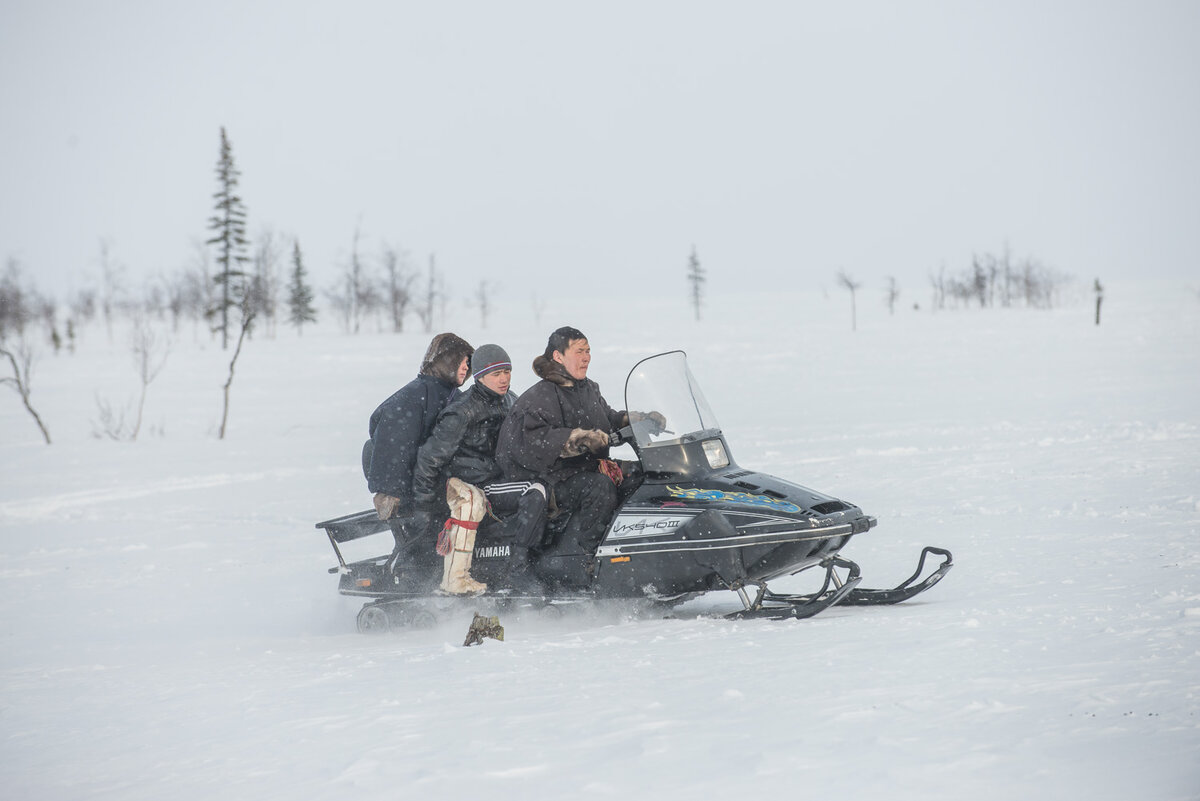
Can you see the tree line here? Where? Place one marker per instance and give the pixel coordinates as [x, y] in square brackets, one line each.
[235, 286]
[1000, 281]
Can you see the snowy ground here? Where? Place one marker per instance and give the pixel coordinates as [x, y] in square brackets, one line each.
[168, 628]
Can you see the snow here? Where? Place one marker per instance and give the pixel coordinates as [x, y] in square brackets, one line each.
[169, 627]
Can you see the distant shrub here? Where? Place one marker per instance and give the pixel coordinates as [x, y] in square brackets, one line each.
[993, 281]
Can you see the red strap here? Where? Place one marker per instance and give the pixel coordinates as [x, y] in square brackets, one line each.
[445, 542]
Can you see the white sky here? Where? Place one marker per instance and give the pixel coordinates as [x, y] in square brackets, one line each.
[528, 142]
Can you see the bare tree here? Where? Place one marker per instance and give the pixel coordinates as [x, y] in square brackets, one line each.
[21, 358]
[111, 285]
[442, 296]
[979, 281]
[248, 314]
[340, 301]
[1040, 285]
[82, 305]
[993, 274]
[696, 278]
[1099, 290]
[199, 271]
[483, 300]
[849, 283]
[429, 299]
[149, 357]
[344, 294]
[891, 294]
[16, 301]
[539, 308]
[175, 289]
[356, 295]
[1007, 278]
[22, 307]
[111, 421]
[154, 302]
[354, 281]
[149, 351]
[938, 282]
[400, 280]
[268, 253]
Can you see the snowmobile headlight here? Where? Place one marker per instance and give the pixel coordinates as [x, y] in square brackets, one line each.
[714, 451]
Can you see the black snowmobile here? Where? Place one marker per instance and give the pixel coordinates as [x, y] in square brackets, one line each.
[691, 521]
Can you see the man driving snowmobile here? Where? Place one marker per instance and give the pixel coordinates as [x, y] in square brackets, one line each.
[558, 433]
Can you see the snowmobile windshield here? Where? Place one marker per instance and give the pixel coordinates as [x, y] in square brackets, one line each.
[666, 406]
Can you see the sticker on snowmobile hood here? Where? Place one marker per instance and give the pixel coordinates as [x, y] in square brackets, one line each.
[640, 525]
[741, 498]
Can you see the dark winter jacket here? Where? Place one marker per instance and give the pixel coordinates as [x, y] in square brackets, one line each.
[397, 429]
[535, 431]
[462, 444]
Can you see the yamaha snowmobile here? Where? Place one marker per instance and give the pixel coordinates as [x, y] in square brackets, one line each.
[691, 521]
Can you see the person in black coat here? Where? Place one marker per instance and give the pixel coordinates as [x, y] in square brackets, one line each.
[463, 445]
[558, 432]
[463, 440]
[400, 425]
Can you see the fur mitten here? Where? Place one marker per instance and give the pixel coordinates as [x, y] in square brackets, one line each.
[582, 440]
[385, 505]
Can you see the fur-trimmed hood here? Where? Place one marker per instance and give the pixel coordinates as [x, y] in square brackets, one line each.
[443, 357]
[552, 371]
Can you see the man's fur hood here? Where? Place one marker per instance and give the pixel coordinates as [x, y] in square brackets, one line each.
[550, 370]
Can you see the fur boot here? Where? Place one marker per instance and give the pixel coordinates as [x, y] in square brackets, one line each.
[467, 506]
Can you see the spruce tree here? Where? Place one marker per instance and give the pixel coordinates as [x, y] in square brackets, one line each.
[300, 294]
[229, 235]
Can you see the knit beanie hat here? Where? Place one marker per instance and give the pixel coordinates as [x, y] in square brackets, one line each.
[488, 359]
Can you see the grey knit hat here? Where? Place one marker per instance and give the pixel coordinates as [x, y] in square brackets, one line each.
[488, 359]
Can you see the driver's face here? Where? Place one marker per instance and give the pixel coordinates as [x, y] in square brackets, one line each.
[463, 369]
[575, 359]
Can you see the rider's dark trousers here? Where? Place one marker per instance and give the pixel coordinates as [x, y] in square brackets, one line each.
[591, 499]
[527, 500]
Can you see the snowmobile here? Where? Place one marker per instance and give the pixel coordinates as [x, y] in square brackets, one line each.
[690, 521]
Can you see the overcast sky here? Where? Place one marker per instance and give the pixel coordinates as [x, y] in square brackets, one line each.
[528, 143]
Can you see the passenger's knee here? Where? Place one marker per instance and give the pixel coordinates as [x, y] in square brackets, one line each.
[533, 500]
